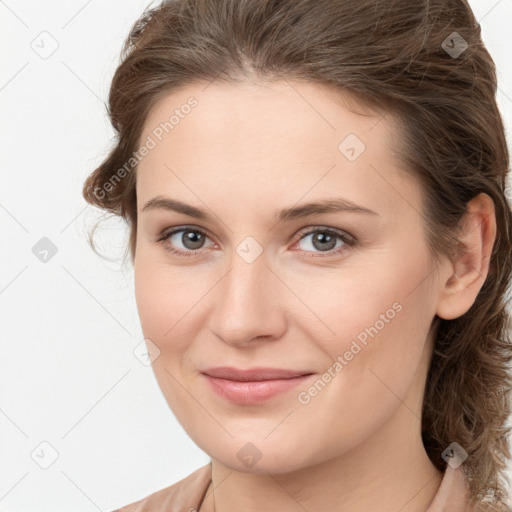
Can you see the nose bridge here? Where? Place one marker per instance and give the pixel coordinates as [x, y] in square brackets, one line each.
[246, 302]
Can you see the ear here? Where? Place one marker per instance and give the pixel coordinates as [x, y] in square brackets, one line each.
[466, 275]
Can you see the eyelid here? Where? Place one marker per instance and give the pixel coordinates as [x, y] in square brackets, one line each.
[313, 229]
[165, 233]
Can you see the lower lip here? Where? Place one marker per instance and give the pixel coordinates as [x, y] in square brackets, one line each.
[254, 392]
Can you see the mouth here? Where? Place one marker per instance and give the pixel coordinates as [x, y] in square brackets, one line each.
[253, 386]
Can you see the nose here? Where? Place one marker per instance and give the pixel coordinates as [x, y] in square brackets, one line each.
[248, 303]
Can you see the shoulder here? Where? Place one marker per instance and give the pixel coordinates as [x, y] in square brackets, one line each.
[453, 495]
[486, 506]
[184, 495]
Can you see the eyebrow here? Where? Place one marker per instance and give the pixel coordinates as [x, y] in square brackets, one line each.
[304, 210]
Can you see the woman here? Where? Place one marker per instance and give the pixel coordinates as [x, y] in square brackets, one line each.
[369, 374]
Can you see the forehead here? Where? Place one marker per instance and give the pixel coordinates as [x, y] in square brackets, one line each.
[270, 138]
[226, 108]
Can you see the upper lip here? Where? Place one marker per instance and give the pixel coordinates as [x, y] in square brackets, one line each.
[253, 374]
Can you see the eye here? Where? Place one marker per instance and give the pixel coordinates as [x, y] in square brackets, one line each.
[192, 240]
[325, 240]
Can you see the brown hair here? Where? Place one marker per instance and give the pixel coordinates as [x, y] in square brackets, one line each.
[399, 57]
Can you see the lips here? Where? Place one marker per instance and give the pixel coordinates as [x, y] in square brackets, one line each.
[253, 386]
[253, 374]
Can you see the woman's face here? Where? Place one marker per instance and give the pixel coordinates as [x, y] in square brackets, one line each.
[260, 283]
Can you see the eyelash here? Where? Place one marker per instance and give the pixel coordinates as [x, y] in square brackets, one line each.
[348, 240]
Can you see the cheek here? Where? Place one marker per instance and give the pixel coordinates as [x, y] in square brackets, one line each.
[167, 318]
[151, 305]
[355, 300]
[161, 300]
[170, 305]
[374, 357]
[376, 317]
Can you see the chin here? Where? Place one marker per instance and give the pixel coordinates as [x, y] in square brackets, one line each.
[261, 457]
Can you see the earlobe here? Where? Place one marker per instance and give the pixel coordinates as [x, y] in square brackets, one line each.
[467, 273]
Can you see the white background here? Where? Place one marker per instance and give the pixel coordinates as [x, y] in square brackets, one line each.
[67, 372]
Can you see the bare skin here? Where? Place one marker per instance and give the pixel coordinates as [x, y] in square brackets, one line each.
[246, 151]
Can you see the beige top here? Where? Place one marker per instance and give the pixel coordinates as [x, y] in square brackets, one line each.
[187, 495]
